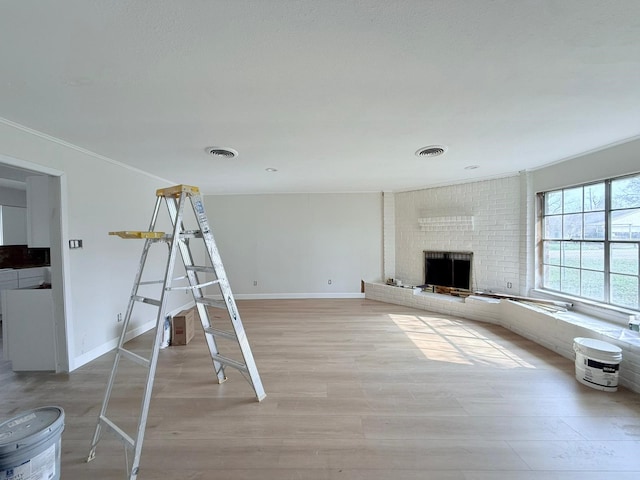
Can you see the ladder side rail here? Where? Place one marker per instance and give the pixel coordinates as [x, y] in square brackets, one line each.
[227, 295]
[153, 361]
[154, 216]
[197, 293]
[218, 367]
[243, 341]
[123, 333]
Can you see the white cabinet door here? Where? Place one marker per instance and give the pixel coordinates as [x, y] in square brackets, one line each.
[38, 211]
[9, 275]
[8, 281]
[30, 277]
[14, 225]
[29, 328]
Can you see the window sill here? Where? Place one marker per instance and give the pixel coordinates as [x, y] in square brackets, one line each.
[606, 313]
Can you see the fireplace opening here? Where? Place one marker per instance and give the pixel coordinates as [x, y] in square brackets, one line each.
[448, 269]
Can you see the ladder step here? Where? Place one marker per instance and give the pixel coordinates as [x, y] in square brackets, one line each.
[150, 301]
[196, 268]
[220, 333]
[212, 302]
[117, 430]
[151, 282]
[190, 234]
[193, 287]
[230, 362]
[134, 357]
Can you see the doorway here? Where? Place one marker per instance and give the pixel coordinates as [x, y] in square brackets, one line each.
[13, 175]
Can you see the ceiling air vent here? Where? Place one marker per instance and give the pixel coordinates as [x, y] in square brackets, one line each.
[220, 152]
[431, 151]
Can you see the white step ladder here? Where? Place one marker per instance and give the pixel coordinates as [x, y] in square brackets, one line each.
[178, 241]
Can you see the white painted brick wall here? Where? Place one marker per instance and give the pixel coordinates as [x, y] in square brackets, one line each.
[527, 237]
[495, 241]
[389, 234]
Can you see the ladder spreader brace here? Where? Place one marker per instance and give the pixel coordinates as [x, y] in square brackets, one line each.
[176, 198]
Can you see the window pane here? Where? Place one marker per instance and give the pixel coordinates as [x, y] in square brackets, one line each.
[593, 256]
[592, 285]
[551, 278]
[594, 197]
[571, 254]
[570, 280]
[551, 252]
[594, 226]
[625, 224]
[572, 201]
[572, 226]
[553, 227]
[624, 258]
[625, 192]
[553, 203]
[624, 290]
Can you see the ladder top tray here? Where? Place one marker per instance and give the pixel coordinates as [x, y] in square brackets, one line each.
[176, 190]
[138, 234]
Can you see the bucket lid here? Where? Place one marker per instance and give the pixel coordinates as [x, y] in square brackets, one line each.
[29, 427]
[598, 345]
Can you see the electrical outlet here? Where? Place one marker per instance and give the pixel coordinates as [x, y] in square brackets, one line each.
[509, 285]
[255, 283]
[119, 317]
[329, 282]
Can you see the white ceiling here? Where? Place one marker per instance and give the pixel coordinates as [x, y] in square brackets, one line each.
[337, 95]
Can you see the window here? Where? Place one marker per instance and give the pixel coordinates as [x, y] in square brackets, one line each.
[590, 238]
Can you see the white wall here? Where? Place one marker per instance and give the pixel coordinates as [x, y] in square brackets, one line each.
[293, 244]
[99, 196]
[605, 163]
[494, 240]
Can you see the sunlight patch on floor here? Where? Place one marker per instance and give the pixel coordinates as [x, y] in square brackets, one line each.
[453, 341]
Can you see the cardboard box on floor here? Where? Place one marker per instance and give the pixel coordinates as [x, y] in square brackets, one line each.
[182, 327]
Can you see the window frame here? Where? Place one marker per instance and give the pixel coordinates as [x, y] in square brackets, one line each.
[543, 265]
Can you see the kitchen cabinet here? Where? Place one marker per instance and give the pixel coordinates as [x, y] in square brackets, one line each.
[23, 278]
[38, 212]
[14, 225]
[32, 277]
[8, 281]
[29, 329]
[8, 277]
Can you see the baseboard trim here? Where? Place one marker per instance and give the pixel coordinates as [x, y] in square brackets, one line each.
[291, 296]
[113, 343]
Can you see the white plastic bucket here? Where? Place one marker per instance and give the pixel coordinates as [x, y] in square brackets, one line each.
[30, 445]
[597, 363]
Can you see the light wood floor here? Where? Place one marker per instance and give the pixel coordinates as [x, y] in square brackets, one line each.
[356, 390]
